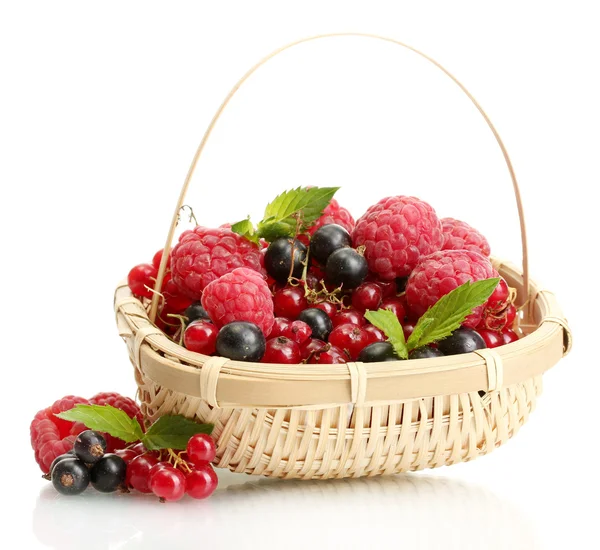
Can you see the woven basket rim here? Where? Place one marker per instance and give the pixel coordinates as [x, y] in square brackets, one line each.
[547, 342]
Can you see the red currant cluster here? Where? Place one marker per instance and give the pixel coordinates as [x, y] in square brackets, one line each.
[170, 475]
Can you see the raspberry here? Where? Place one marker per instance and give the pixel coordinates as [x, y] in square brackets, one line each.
[334, 213]
[202, 255]
[46, 440]
[52, 436]
[126, 404]
[65, 404]
[461, 236]
[242, 295]
[440, 273]
[396, 232]
[118, 401]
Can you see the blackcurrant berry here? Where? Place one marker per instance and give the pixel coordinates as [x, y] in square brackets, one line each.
[425, 352]
[241, 341]
[378, 352]
[90, 446]
[326, 240]
[346, 268]
[318, 321]
[108, 474]
[69, 454]
[462, 340]
[280, 255]
[195, 312]
[70, 476]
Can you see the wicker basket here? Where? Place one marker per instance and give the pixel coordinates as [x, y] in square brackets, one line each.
[335, 421]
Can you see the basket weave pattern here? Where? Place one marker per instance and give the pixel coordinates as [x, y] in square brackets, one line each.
[346, 441]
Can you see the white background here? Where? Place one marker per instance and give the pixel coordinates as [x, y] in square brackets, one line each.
[101, 108]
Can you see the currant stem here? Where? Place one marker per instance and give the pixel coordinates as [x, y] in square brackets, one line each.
[177, 461]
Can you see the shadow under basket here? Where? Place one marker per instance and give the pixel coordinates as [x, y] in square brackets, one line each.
[354, 419]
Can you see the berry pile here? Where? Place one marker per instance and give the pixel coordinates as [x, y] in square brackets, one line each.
[52, 436]
[168, 475]
[300, 286]
[76, 461]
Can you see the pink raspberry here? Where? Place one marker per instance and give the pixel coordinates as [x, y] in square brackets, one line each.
[334, 213]
[202, 255]
[461, 236]
[440, 273]
[126, 404]
[118, 401]
[62, 405]
[396, 232]
[52, 436]
[242, 295]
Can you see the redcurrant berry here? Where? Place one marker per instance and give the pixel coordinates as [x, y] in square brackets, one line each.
[350, 338]
[139, 448]
[375, 334]
[158, 258]
[349, 316]
[492, 338]
[282, 350]
[168, 484]
[388, 288]
[201, 337]
[499, 298]
[158, 466]
[311, 346]
[407, 329]
[141, 280]
[396, 306]
[280, 327]
[328, 308]
[289, 302]
[330, 355]
[509, 335]
[367, 296]
[201, 448]
[174, 301]
[299, 332]
[511, 313]
[126, 454]
[137, 472]
[201, 482]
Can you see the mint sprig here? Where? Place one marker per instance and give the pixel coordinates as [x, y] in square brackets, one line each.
[387, 321]
[292, 210]
[439, 321]
[173, 432]
[168, 432]
[449, 312]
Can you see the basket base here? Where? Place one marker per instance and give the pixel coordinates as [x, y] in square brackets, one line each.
[347, 441]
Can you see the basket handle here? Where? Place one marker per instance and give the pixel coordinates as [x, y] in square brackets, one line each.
[236, 87]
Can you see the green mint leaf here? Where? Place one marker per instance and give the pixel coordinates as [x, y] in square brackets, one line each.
[303, 202]
[173, 432]
[245, 229]
[104, 418]
[387, 321]
[272, 230]
[449, 312]
[417, 333]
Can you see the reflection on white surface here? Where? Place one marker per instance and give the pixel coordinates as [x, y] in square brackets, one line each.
[410, 511]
